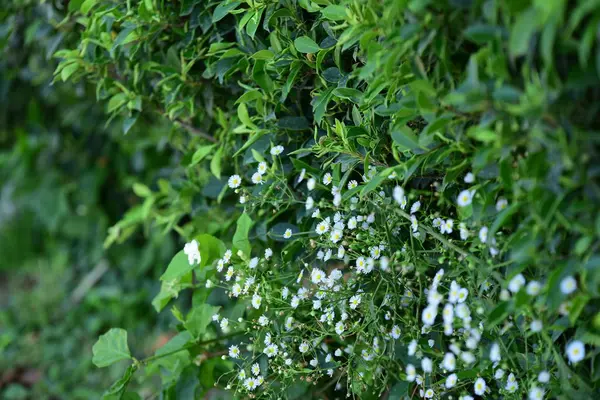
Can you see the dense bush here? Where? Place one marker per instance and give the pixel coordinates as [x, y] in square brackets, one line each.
[407, 192]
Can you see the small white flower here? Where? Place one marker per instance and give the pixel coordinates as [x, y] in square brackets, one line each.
[399, 195]
[236, 290]
[256, 300]
[465, 198]
[535, 393]
[192, 252]
[302, 174]
[536, 326]
[395, 333]
[451, 381]
[263, 320]
[447, 226]
[464, 232]
[242, 199]
[575, 351]
[314, 362]
[533, 288]
[287, 234]
[499, 373]
[568, 285]
[341, 252]
[412, 347]
[429, 393]
[411, 373]
[428, 315]
[276, 150]
[501, 204]
[268, 253]
[483, 234]
[469, 177]
[310, 203]
[354, 301]
[516, 283]
[327, 179]
[480, 387]
[449, 362]
[253, 263]
[339, 327]
[495, 353]
[255, 369]
[271, 350]
[234, 181]
[322, 227]
[262, 168]
[311, 183]
[426, 365]
[257, 179]
[234, 351]
[415, 207]
[224, 324]
[317, 276]
[544, 377]
[303, 348]
[336, 235]
[352, 184]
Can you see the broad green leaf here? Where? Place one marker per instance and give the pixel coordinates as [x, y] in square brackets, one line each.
[178, 267]
[334, 12]
[117, 389]
[240, 238]
[199, 318]
[304, 44]
[405, 138]
[215, 163]
[223, 9]
[110, 348]
[521, 33]
[201, 153]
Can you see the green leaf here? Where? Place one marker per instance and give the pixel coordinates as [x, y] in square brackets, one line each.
[116, 101]
[405, 138]
[521, 33]
[304, 44]
[243, 115]
[334, 12]
[87, 5]
[141, 190]
[211, 249]
[223, 9]
[117, 389]
[320, 105]
[68, 70]
[215, 163]
[353, 95]
[110, 348]
[240, 238]
[201, 153]
[178, 267]
[199, 318]
[498, 314]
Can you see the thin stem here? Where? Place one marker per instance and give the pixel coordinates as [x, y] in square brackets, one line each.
[189, 346]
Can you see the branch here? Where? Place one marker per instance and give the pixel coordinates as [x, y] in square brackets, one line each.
[196, 131]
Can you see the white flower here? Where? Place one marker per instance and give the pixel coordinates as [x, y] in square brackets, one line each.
[354, 301]
[302, 174]
[395, 333]
[314, 362]
[544, 377]
[462, 295]
[303, 348]
[336, 235]
[499, 373]
[236, 290]
[277, 150]
[415, 207]
[352, 223]
[322, 227]
[495, 353]
[192, 252]
[429, 393]
[469, 177]
[411, 373]
[399, 195]
[428, 315]
[352, 184]
[447, 226]
[412, 347]
[271, 350]
[242, 199]
[480, 387]
[575, 351]
[501, 204]
[341, 252]
[310, 203]
[511, 383]
[262, 168]
[533, 288]
[449, 362]
[317, 276]
[483, 234]
[516, 283]
[256, 300]
[465, 198]
[327, 179]
[295, 302]
[287, 234]
[536, 326]
[414, 224]
[268, 253]
[426, 365]
[464, 232]
[234, 181]
[535, 393]
[568, 285]
[257, 178]
[253, 263]
[234, 351]
[255, 369]
[224, 325]
[451, 381]
[337, 199]
[311, 183]
[263, 320]
[339, 327]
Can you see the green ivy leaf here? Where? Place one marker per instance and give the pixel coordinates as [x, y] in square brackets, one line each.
[110, 348]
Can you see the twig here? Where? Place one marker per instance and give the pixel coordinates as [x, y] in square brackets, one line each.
[196, 131]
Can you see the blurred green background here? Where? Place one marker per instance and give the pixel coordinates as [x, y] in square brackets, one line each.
[65, 177]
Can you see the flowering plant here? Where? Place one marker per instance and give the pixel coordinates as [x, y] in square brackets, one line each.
[412, 183]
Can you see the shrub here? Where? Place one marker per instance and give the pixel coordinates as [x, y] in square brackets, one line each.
[415, 187]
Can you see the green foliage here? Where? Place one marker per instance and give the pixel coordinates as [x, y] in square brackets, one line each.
[413, 94]
[110, 348]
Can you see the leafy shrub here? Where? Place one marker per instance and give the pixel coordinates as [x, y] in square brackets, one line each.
[415, 187]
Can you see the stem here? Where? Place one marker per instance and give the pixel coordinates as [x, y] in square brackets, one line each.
[146, 360]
